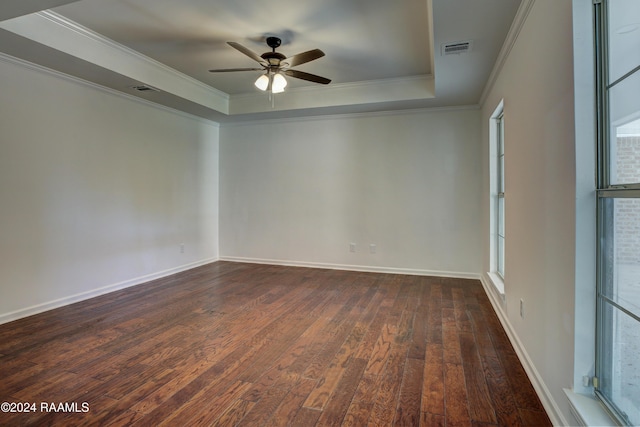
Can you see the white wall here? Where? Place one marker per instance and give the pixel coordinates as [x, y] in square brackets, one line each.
[300, 191]
[536, 83]
[97, 191]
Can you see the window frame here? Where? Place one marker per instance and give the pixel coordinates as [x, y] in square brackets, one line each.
[606, 194]
[496, 192]
[500, 208]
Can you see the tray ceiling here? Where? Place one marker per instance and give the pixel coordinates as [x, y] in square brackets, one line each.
[380, 55]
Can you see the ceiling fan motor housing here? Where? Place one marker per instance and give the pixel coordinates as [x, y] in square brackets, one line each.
[273, 58]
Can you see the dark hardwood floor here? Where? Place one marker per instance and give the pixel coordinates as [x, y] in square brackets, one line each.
[254, 345]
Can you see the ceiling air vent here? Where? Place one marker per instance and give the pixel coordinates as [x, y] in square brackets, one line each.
[456, 48]
[145, 88]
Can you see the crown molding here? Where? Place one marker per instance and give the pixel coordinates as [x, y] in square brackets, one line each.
[347, 116]
[507, 46]
[8, 59]
[13, 8]
[99, 38]
[57, 32]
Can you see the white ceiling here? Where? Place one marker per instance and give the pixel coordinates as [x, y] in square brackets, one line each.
[380, 55]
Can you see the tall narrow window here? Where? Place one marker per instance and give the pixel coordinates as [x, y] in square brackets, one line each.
[500, 196]
[618, 195]
[497, 202]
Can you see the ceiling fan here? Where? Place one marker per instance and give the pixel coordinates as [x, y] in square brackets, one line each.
[276, 66]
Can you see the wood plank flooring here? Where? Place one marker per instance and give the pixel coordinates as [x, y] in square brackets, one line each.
[254, 345]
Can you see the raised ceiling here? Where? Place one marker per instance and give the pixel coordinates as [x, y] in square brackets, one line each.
[380, 55]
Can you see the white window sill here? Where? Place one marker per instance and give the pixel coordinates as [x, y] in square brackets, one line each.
[588, 410]
[498, 283]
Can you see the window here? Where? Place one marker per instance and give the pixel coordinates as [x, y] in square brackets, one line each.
[497, 213]
[618, 198]
[500, 196]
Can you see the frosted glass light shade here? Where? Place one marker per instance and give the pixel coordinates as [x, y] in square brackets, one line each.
[279, 83]
[263, 82]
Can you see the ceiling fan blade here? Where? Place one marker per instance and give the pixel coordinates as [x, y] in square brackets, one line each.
[228, 70]
[304, 57]
[307, 76]
[251, 54]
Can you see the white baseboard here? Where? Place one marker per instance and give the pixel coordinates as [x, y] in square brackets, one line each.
[39, 308]
[549, 403]
[363, 268]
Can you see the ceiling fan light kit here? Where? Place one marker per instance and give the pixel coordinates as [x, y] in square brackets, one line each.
[276, 81]
[276, 66]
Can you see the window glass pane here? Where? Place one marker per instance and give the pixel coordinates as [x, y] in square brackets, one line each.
[624, 37]
[501, 256]
[620, 376]
[501, 136]
[621, 281]
[501, 176]
[624, 147]
[501, 216]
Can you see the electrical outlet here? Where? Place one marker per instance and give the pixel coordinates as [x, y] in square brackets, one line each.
[182, 248]
[521, 308]
[352, 247]
[372, 248]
